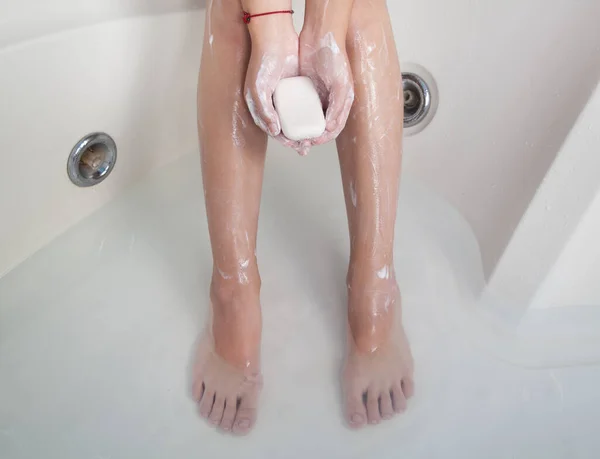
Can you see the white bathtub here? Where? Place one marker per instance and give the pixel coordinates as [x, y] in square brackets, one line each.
[102, 290]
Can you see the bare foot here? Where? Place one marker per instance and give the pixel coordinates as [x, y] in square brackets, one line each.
[378, 374]
[227, 379]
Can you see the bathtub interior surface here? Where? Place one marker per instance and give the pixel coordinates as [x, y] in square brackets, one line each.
[508, 98]
[513, 77]
[134, 79]
[97, 331]
[31, 19]
[97, 328]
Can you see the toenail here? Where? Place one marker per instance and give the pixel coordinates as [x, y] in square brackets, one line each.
[244, 423]
[357, 418]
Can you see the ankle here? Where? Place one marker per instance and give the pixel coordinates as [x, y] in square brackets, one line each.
[371, 315]
[373, 296]
[229, 291]
[364, 273]
[236, 320]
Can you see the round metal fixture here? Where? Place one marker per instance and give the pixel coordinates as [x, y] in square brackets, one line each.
[417, 99]
[92, 159]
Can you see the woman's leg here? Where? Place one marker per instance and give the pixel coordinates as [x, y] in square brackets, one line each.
[377, 378]
[227, 377]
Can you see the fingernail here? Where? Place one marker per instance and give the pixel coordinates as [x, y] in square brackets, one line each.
[273, 129]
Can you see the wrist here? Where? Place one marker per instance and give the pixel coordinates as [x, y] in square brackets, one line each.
[270, 25]
[272, 28]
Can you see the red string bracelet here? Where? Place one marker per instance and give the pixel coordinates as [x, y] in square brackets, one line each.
[248, 16]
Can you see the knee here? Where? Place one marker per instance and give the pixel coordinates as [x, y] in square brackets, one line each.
[224, 22]
[366, 14]
[369, 26]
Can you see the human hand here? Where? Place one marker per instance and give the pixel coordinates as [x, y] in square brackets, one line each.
[325, 62]
[274, 56]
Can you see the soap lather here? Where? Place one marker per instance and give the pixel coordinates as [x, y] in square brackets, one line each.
[299, 108]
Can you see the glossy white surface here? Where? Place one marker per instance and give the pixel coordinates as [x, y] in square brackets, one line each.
[30, 19]
[512, 76]
[134, 79]
[97, 329]
[553, 259]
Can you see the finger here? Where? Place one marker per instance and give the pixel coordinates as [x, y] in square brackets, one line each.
[328, 136]
[325, 138]
[340, 124]
[262, 111]
[339, 97]
[304, 148]
[254, 111]
[266, 109]
[343, 118]
[287, 142]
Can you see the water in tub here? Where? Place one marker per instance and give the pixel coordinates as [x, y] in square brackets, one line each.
[97, 331]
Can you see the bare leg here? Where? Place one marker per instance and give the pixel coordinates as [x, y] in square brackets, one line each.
[377, 377]
[227, 378]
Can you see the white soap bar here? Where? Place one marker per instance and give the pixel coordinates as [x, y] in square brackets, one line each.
[299, 108]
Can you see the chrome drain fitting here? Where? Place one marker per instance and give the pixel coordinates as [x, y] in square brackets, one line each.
[417, 99]
[421, 98]
[92, 159]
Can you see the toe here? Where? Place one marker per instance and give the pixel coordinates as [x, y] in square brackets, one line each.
[385, 405]
[398, 399]
[197, 390]
[356, 412]
[408, 387]
[229, 414]
[216, 413]
[244, 421]
[246, 415]
[206, 403]
[373, 414]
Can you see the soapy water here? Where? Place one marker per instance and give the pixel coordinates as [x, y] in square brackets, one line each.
[140, 332]
[238, 122]
[261, 81]
[353, 196]
[327, 66]
[384, 273]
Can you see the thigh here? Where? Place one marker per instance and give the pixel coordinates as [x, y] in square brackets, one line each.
[370, 146]
[232, 147]
[224, 118]
[377, 112]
